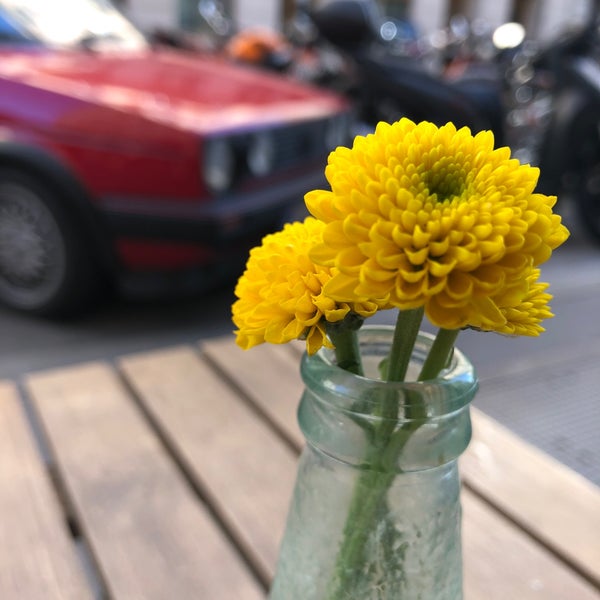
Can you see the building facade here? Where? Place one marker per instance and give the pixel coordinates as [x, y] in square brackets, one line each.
[543, 19]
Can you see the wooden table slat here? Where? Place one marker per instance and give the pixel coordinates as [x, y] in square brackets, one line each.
[283, 383]
[169, 375]
[498, 464]
[38, 557]
[170, 493]
[233, 455]
[150, 536]
[502, 563]
[268, 374]
[546, 498]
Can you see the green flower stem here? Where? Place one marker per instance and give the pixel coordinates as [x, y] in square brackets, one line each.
[369, 495]
[407, 328]
[408, 324]
[439, 354]
[368, 500]
[343, 336]
[366, 503]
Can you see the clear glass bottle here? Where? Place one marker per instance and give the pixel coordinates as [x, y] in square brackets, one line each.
[376, 509]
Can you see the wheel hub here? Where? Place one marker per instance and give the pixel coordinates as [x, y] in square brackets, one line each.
[21, 248]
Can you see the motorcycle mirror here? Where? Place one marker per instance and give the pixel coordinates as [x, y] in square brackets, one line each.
[508, 36]
[347, 23]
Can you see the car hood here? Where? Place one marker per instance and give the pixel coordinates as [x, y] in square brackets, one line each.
[194, 92]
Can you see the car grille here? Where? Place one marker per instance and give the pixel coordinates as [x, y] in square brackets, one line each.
[294, 145]
[299, 143]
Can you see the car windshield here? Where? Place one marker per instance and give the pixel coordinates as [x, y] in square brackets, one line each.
[93, 23]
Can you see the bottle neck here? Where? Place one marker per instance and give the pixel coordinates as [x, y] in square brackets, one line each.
[386, 426]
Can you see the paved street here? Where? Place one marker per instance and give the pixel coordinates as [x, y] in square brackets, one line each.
[546, 389]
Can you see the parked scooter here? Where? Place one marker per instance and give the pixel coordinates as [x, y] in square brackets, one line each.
[387, 86]
[544, 104]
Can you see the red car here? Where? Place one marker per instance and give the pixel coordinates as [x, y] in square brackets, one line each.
[146, 168]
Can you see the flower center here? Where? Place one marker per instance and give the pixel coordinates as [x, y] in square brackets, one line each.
[444, 182]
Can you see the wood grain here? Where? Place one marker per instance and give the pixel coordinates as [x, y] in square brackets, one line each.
[150, 536]
[212, 444]
[502, 563]
[38, 558]
[501, 551]
[230, 452]
[268, 374]
[554, 503]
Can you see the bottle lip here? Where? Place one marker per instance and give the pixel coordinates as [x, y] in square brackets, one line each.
[453, 389]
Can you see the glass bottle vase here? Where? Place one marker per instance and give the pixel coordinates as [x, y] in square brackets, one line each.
[376, 512]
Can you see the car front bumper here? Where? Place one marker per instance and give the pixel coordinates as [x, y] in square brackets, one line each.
[166, 235]
[217, 220]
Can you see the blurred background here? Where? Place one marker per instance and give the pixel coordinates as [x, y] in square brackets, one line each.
[146, 145]
[544, 19]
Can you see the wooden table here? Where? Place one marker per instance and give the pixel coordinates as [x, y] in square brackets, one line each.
[167, 476]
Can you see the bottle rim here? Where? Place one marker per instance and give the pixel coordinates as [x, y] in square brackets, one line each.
[452, 390]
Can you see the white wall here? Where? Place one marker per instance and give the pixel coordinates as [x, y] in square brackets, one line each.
[495, 13]
[553, 16]
[152, 14]
[548, 17]
[428, 15]
[258, 14]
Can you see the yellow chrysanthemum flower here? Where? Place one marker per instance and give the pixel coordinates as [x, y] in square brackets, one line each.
[437, 218]
[280, 294]
[525, 317]
[522, 306]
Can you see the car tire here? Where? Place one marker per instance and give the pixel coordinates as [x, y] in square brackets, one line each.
[45, 266]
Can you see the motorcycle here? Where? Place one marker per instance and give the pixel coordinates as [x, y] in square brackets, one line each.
[556, 104]
[542, 102]
[385, 85]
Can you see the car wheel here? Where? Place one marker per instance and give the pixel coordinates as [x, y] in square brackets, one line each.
[44, 265]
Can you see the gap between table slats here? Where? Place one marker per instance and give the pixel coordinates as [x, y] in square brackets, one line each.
[516, 479]
[232, 452]
[38, 556]
[150, 536]
[267, 376]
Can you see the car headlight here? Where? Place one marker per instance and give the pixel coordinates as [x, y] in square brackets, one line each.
[261, 154]
[218, 164]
